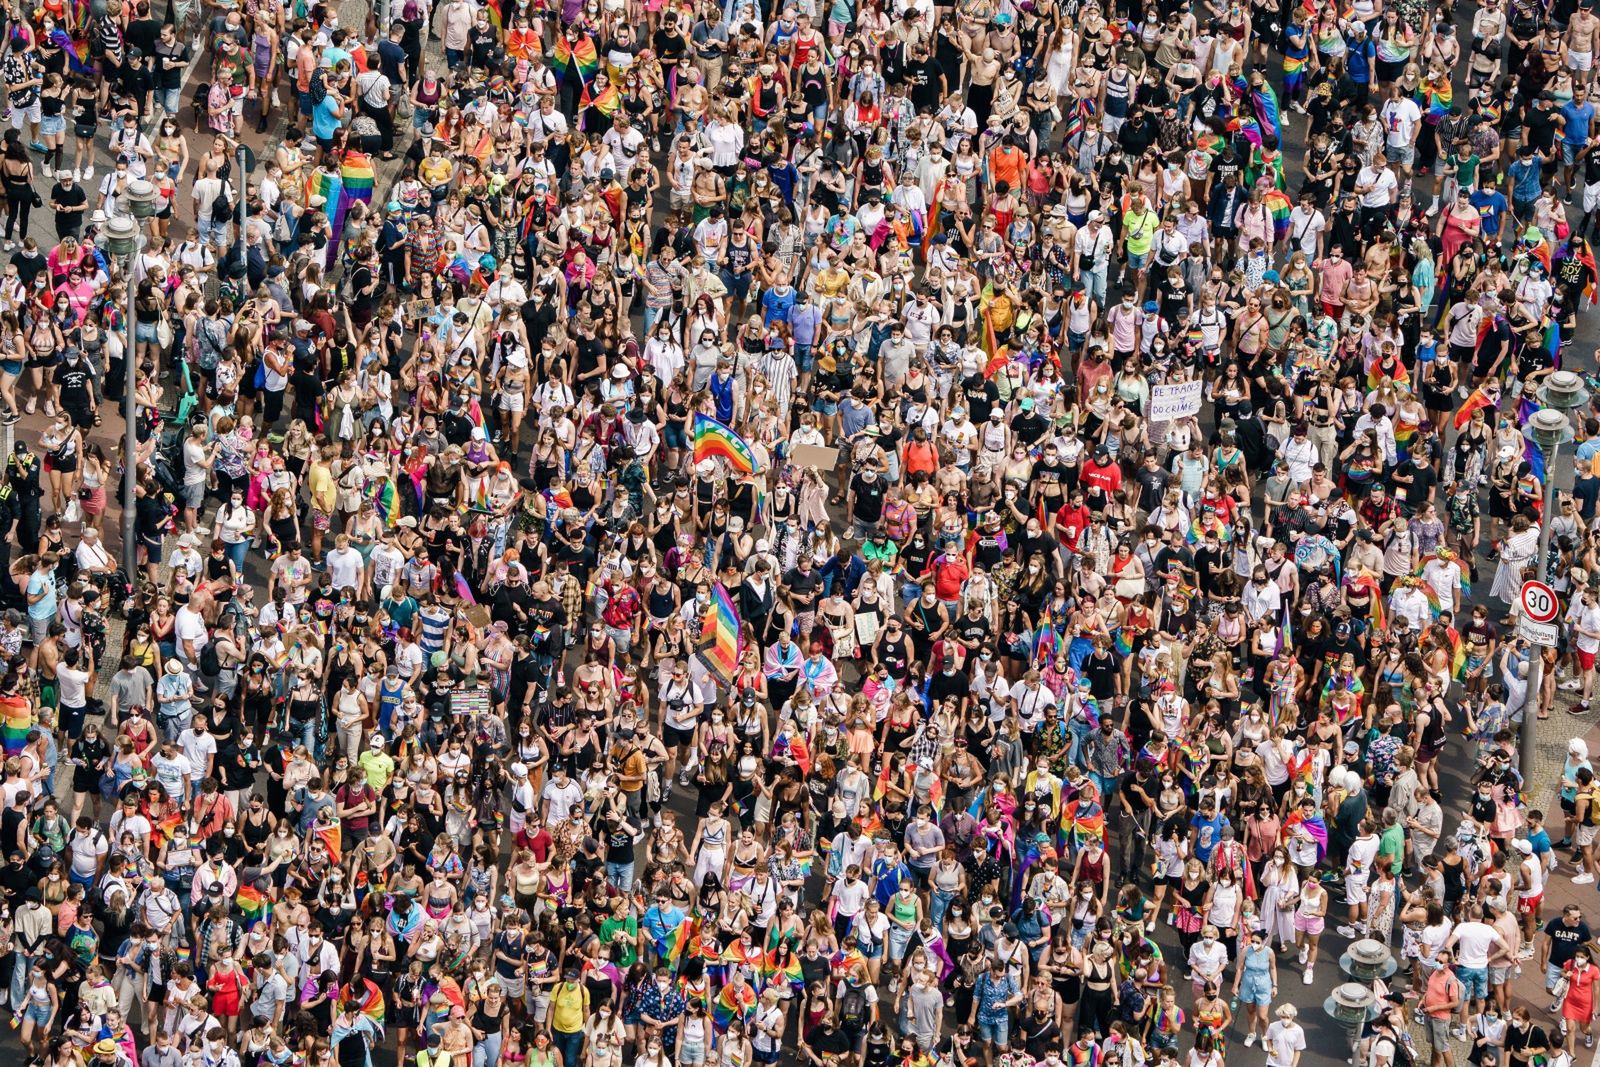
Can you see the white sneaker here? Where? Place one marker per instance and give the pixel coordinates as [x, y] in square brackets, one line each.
[1249, 1039]
[77, 174]
[1346, 931]
[1582, 879]
[1571, 686]
[1307, 977]
[1303, 954]
[88, 173]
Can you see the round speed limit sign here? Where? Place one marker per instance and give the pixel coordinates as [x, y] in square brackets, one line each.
[1539, 602]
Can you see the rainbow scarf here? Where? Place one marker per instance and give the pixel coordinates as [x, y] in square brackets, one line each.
[1077, 120]
[719, 635]
[16, 719]
[717, 440]
[582, 58]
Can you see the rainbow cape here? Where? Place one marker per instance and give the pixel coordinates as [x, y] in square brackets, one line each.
[357, 176]
[367, 999]
[789, 971]
[1435, 98]
[1264, 100]
[77, 51]
[1277, 202]
[1313, 826]
[582, 58]
[714, 440]
[16, 719]
[1458, 655]
[1375, 594]
[733, 1002]
[606, 101]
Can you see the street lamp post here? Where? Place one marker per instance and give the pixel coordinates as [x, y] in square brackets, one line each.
[1356, 1003]
[124, 239]
[1549, 428]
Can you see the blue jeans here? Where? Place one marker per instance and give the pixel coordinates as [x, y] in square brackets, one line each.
[569, 1045]
[486, 1053]
[1080, 735]
[236, 554]
[19, 979]
[939, 903]
[621, 876]
[1094, 285]
[170, 100]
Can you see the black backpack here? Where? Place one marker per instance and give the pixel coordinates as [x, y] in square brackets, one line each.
[210, 665]
[853, 1008]
[318, 87]
[222, 207]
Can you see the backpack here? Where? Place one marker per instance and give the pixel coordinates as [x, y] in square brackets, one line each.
[210, 665]
[853, 1008]
[222, 206]
[1592, 816]
[318, 88]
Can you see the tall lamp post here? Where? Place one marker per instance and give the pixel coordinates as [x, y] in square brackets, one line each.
[1356, 1003]
[1549, 428]
[124, 239]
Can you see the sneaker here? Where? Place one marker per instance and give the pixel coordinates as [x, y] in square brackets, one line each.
[38, 146]
[1582, 879]
[1346, 931]
[1309, 976]
[1588, 1041]
[77, 174]
[88, 173]
[1555, 1006]
[1525, 952]
[1304, 952]
[1458, 1032]
[1571, 685]
[1249, 1039]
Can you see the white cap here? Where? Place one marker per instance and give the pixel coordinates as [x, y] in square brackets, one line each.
[1523, 845]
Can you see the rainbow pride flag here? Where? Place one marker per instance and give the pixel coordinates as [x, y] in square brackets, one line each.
[1277, 202]
[357, 176]
[719, 635]
[16, 719]
[330, 837]
[367, 999]
[733, 1003]
[787, 971]
[684, 940]
[581, 58]
[714, 439]
[253, 904]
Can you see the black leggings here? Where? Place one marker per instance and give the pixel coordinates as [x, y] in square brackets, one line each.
[1095, 1011]
[18, 208]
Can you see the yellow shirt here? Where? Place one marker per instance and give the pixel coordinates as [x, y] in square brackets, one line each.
[569, 1007]
[379, 767]
[435, 172]
[319, 482]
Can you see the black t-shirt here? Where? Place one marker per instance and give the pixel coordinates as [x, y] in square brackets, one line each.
[1030, 426]
[1539, 126]
[670, 46]
[390, 56]
[1152, 485]
[169, 77]
[73, 382]
[619, 845]
[982, 395]
[923, 79]
[1564, 941]
[868, 498]
[61, 196]
[801, 584]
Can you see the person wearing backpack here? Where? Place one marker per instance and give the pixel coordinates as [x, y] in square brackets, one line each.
[569, 1013]
[1586, 813]
[992, 1000]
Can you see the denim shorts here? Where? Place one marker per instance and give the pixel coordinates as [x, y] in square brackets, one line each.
[997, 1032]
[1474, 982]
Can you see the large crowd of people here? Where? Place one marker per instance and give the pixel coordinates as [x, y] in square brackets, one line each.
[864, 535]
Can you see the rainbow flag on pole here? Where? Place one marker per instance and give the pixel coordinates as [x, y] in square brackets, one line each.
[253, 904]
[719, 635]
[713, 439]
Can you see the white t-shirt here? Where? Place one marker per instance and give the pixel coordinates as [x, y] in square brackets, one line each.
[190, 626]
[1363, 851]
[1400, 120]
[71, 686]
[1383, 184]
[1473, 942]
[170, 772]
[852, 897]
[561, 801]
[344, 567]
[197, 748]
[1284, 1039]
[1584, 618]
